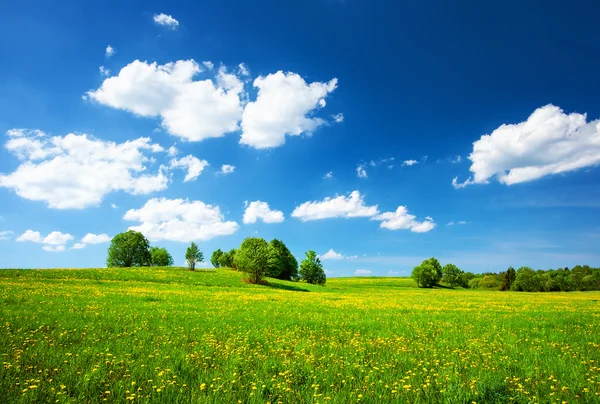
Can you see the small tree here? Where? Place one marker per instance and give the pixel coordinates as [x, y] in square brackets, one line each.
[160, 257]
[225, 260]
[214, 258]
[289, 264]
[253, 257]
[193, 255]
[129, 249]
[311, 269]
[231, 254]
[451, 274]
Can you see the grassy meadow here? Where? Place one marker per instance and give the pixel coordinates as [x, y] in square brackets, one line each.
[169, 335]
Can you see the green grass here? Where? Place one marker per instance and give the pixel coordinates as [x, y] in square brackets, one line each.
[171, 335]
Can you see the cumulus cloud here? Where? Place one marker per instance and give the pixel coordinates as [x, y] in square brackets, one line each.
[548, 142]
[243, 69]
[361, 171]
[114, 206]
[328, 175]
[409, 162]
[260, 210]
[193, 110]
[77, 171]
[53, 242]
[227, 169]
[331, 255]
[172, 151]
[91, 238]
[362, 272]
[193, 165]
[402, 220]
[109, 51]
[338, 118]
[284, 106]
[104, 71]
[5, 235]
[166, 20]
[340, 206]
[180, 220]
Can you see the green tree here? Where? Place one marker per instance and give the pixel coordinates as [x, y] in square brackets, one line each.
[288, 269]
[232, 258]
[214, 258]
[193, 255]
[507, 278]
[428, 274]
[253, 257]
[527, 280]
[129, 249]
[226, 260]
[451, 274]
[311, 269]
[275, 263]
[160, 257]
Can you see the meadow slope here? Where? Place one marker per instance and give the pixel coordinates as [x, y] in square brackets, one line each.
[171, 335]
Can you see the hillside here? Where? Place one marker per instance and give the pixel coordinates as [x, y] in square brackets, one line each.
[171, 335]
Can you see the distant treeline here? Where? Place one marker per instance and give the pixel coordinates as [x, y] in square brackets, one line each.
[525, 279]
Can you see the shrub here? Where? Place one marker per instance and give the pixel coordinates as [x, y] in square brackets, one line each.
[489, 282]
[160, 257]
[311, 269]
[193, 255]
[129, 249]
[474, 283]
[253, 257]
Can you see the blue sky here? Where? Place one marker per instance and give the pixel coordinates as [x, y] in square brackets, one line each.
[461, 131]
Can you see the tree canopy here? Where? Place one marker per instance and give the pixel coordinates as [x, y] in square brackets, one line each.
[253, 257]
[160, 257]
[311, 269]
[129, 249]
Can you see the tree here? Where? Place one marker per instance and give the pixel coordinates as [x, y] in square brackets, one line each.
[451, 274]
[129, 249]
[428, 274]
[288, 269]
[193, 255]
[253, 257]
[160, 257]
[438, 268]
[214, 258]
[507, 278]
[275, 263]
[225, 260]
[231, 254]
[526, 280]
[311, 269]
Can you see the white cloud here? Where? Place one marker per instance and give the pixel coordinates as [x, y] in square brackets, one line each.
[260, 210]
[112, 205]
[5, 235]
[227, 169]
[92, 238]
[53, 242]
[331, 255]
[340, 206]
[361, 172]
[192, 164]
[401, 219]
[166, 20]
[409, 162]
[328, 175]
[284, 106]
[78, 246]
[338, 118]
[548, 142]
[208, 64]
[243, 69]
[172, 151]
[109, 51]
[362, 272]
[180, 220]
[77, 171]
[104, 71]
[30, 235]
[456, 160]
[452, 222]
[192, 110]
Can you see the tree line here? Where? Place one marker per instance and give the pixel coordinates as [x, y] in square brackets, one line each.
[430, 273]
[255, 256]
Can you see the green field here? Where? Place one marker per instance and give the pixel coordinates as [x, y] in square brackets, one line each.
[171, 335]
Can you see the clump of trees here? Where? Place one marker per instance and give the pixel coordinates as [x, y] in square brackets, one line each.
[428, 274]
[274, 260]
[132, 249]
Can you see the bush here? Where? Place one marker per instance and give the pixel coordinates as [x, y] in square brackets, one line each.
[160, 257]
[474, 283]
[253, 257]
[214, 258]
[465, 277]
[489, 282]
[311, 269]
[193, 255]
[129, 249]
[451, 274]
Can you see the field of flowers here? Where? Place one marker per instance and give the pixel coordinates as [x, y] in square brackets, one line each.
[170, 335]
